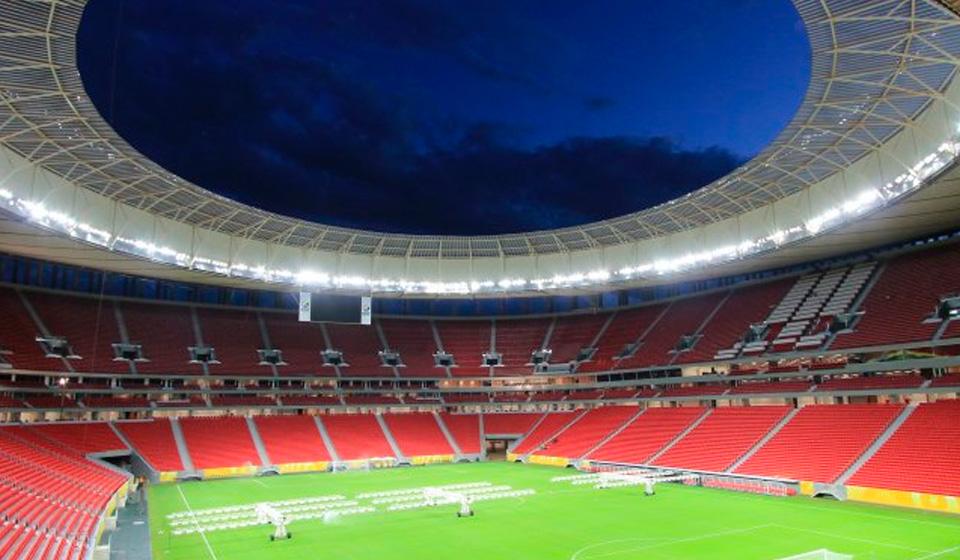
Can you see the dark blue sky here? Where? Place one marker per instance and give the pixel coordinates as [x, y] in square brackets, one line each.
[444, 116]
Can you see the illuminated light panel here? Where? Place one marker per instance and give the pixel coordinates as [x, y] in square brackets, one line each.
[865, 202]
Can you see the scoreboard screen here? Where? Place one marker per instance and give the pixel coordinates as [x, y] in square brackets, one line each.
[324, 308]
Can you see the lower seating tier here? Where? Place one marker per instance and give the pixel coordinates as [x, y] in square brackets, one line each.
[923, 455]
[821, 441]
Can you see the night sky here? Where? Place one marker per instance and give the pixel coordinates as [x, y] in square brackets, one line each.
[445, 116]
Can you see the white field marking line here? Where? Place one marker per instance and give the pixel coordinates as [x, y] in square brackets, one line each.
[196, 523]
[605, 543]
[758, 497]
[255, 481]
[678, 541]
[838, 536]
[938, 553]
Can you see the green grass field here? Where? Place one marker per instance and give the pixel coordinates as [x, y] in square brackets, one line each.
[560, 522]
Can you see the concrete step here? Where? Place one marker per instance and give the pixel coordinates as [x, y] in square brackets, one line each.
[326, 439]
[181, 445]
[258, 442]
[390, 440]
[613, 434]
[763, 441]
[446, 432]
[682, 435]
[876, 445]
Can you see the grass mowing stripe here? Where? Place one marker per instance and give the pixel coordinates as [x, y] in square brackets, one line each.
[196, 523]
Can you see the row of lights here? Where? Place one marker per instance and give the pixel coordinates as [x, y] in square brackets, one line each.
[863, 203]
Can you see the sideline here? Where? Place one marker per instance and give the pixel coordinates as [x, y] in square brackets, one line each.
[194, 517]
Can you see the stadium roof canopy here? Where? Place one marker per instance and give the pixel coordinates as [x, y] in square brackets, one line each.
[867, 159]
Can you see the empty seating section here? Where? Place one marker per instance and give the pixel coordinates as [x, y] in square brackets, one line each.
[923, 455]
[153, 441]
[950, 380]
[848, 290]
[724, 436]
[18, 334]
[544, 431]
[242, 401]
[907, 291]
[516, 340]
[89, 325]
[871, 383]
[588, 431]
[821, 441]
[544, 396]
[755, 388]
[509, 423]
[357, 437]
[370, 399]
[417, 434]
[192, 401]
[701, 389]
[465, 429]
[299, 343]
[51, 402]
[165, 333]
[219, 442]
[115, 402]
[81, 438]
[783, 333]
[319, 400]
[17, 541]
[746, 306]
[291, 439]
[571, 334]
[649, 432]
[619, 393]
[50, 501]
[625, 328]
[512, 397]
[360, 345]
[467, 341]
[235, 337]
[7, 401]
[952, 330]
[460, 398]
[414, 340]
[683, 318]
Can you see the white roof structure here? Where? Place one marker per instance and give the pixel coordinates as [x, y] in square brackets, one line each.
[878, 126]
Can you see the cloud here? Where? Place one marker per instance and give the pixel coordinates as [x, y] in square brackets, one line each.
[317, 139]
[599, 103]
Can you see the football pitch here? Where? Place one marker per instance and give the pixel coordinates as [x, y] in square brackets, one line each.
[559, 521]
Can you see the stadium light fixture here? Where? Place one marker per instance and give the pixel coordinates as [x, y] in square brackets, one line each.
[845, 211]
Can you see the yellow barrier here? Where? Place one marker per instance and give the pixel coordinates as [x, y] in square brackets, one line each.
[916, 500]
[226, 472]
[168, 476]
[550, 461]
[432, 459]
[511, 457]
[316, 466]
[806, 488]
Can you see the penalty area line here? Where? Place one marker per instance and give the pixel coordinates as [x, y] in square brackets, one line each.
[196, 523]
[938, 553]
[669, 542]
[857, 539]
